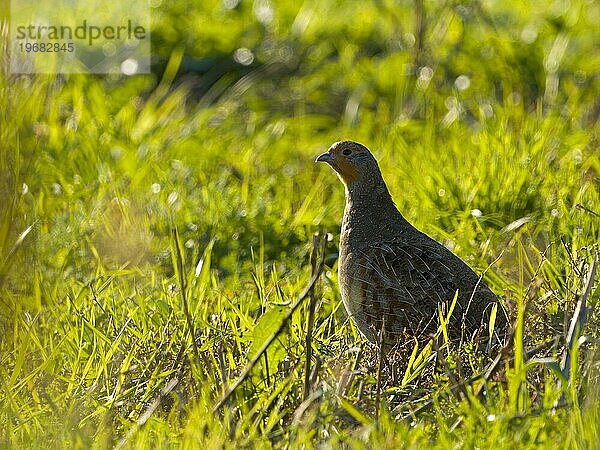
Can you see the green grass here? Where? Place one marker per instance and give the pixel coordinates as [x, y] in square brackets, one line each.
[96, 172]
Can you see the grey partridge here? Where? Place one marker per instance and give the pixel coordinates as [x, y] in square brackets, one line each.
[389, 269]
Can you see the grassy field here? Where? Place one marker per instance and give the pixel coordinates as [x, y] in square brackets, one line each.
[155, 230]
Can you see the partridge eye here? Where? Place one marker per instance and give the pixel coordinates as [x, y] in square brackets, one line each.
[346, 152]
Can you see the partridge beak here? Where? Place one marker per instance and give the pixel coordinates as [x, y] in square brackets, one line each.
[325, 157]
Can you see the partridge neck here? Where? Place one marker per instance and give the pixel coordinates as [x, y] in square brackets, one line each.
[370, 214]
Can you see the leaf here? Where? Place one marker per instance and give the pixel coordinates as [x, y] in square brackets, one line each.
[202, 272]
[356, 414]
[409, 372]
[492, 321]
[551, 364]
[264, 329]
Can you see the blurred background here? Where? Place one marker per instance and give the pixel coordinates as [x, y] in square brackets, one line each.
[243, 94]
[219, 140]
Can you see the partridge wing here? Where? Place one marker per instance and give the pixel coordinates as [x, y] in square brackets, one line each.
[407, 282]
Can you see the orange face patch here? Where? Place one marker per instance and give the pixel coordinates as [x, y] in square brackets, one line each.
[347, 171]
